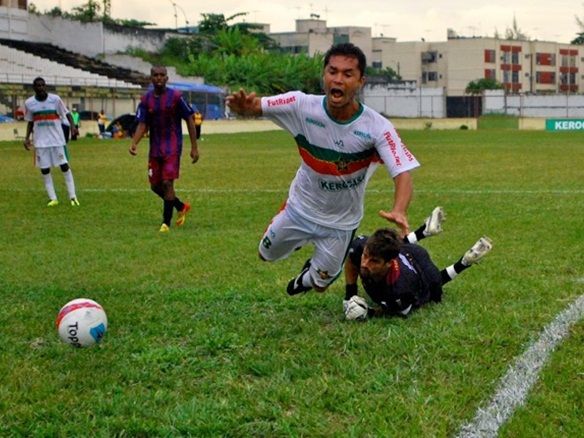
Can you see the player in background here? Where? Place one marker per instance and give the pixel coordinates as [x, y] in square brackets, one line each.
[76, 121]
[398, 275]
[198, 118]
[44, 112]
[161, 111]
[340, 142]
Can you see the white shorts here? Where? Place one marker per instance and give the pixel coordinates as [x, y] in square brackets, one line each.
[50, 157]
[289, 232]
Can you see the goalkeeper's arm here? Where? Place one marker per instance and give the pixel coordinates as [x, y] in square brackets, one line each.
[351, 277]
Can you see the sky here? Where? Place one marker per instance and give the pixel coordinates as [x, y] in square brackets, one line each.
[544, 20]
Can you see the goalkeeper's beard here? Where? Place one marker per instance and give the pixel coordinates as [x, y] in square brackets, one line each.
[368, 277]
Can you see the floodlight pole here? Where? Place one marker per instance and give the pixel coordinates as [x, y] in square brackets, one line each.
[175, 14]
[184, 15]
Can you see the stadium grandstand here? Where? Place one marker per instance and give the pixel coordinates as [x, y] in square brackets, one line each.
[82, 62]
[22, 61]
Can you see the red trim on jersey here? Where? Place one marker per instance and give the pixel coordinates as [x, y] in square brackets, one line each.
[335, 168]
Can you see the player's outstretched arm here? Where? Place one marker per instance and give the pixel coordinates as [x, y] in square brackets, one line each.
[351, 277]
[244, 104]
[404, 188]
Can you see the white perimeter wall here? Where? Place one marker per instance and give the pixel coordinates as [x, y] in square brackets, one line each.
[90, 39]
[400, 101]
[557, 105]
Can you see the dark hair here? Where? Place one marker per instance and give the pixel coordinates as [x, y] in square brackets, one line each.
[347, 49]
[38, 78]
[157, 66]
[384, 243]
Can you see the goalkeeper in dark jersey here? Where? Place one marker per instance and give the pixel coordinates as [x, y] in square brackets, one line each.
[398, 275]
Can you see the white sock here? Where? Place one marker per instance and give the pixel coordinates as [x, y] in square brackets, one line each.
[451, 272]
[306, 280]
[49, 187]
[70, 183]
[411, 238]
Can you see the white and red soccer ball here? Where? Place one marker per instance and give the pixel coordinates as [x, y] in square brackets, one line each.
[81, 322]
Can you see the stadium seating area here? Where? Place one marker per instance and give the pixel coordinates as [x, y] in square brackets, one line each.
[21, 62]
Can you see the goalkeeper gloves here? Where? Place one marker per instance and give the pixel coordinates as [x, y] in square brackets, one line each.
[355, 308]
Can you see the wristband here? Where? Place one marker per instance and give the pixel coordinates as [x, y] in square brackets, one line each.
[350, 290]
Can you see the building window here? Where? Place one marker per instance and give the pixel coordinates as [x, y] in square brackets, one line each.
[510, 54]
[515, 77]
[545, 77]
[490, 56]
[377, 64]
[429, 57]
[490, 73]
[567, 78]
[340, 39]
[432, 76]
[545, 58]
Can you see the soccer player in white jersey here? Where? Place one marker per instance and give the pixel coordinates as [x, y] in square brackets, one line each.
[340, 141]
[44, 111]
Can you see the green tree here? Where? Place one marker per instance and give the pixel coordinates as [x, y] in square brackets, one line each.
[56, 12]
[579, 39]
[387, 73]
[232, 41]
[514, 33]
[213, 23]
[87, 12]
[580, 35]
[478, 86]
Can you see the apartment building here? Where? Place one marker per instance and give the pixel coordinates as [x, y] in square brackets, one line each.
[312, 36]
[521, 66]
[536, 67]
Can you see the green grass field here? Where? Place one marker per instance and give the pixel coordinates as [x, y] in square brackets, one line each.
[204, 341]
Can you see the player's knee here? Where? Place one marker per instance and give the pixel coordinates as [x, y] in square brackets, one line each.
[266, 257]
[64, 167]
[46, 171]
[320, 289]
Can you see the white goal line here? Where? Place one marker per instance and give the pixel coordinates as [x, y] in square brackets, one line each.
[514, 387]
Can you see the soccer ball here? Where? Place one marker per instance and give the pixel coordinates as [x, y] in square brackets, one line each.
[81, 322]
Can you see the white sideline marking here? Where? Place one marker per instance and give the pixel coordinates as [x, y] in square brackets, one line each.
[285, 190]
[519, 379]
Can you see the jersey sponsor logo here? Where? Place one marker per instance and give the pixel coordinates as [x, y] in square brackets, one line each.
[281, 101]
[50, 123]
[324, 275]
[362, 134]
[337, 186]
[314, 122]
[407, 152]
[392, 148]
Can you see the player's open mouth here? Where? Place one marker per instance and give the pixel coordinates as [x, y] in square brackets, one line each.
[336, 93]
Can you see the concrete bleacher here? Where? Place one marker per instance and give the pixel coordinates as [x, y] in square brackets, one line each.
[103, 74]
[17, 66]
